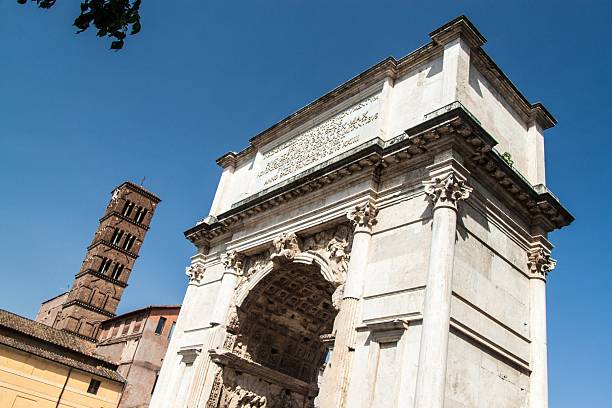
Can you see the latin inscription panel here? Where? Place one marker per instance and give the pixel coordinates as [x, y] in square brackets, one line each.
[335, 135]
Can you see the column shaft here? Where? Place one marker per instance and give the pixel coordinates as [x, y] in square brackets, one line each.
[336, 378]
[431, 377]
[335, 385]
[539, 374]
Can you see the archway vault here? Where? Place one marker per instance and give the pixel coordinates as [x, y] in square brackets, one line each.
[284, 311]
[303, 258]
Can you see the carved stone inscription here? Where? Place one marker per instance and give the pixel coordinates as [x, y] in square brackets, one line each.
[324, 140]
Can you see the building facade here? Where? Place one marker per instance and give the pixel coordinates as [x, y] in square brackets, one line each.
[137, 342]
[104, 274]
[42, 367]
[384, 246]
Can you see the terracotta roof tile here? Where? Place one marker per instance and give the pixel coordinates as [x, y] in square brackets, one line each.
[52, 344]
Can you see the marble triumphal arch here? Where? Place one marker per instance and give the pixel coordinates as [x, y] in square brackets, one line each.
[384, 246]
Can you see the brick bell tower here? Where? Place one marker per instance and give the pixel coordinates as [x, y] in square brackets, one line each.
[99, 284]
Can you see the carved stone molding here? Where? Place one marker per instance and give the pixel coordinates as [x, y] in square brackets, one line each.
[225, 358]
[285, 247]
[539, 262]
[190, 353]
[195, 271]
[215, 392]
[535, 203]
[363, 216]
[232, 260]
[333, 244]
[447, 191]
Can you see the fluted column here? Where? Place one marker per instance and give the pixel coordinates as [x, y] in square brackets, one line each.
[335, 385]
[232, 263]
[444, 192]
[539, 264]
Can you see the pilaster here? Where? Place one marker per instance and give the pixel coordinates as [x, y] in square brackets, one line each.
[539, 264]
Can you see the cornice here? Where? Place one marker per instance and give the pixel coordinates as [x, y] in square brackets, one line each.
[140, 190]
[87, 306]
[123, 217]
[454, 126]
[101, 276]
[120, 339]
[528, 111]
[459, 26]
[227, 160]
[112, 246]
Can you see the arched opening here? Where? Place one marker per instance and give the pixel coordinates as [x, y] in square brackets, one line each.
[284, 316]
[274, 340]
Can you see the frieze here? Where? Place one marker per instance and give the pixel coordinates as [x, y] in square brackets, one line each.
[232, 389]
[328, 138]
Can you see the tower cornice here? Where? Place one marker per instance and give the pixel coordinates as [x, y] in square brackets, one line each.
[101, 276]
[124, 218]
[87, 306]
[140, 190]
[112, 246]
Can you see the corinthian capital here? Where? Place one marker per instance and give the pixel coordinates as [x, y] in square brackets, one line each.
[232, 260]
[447, 190]
[539, 262]
[363, 216]
[195, 271]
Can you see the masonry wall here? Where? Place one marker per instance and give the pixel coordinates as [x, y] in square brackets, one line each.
[49, 310]
[414, 95]
[191, 330]
[28, 381]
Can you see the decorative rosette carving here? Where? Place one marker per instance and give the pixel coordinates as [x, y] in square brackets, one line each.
[540, 263]
[447, 190]
[363, 216]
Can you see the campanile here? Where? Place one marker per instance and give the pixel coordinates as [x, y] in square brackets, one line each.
[103, 276]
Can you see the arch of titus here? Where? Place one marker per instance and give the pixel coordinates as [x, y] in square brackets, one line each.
[384, 246]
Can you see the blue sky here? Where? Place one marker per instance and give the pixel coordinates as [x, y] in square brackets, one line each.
[203, 77]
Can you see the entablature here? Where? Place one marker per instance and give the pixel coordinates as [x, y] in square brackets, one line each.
[451, 127]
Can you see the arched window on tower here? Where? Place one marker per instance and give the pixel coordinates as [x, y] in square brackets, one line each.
[117, 270]
[127, 208]
[105, 265]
